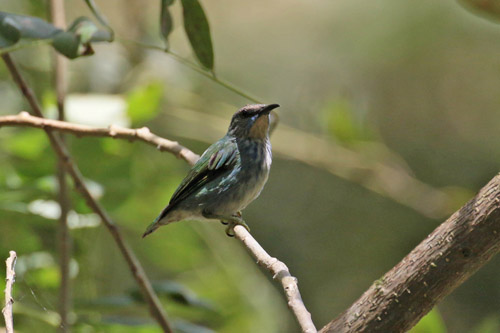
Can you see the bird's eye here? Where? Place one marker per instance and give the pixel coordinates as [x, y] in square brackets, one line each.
[248, 114]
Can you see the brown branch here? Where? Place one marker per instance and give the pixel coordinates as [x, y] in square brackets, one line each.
[135, 267]
[58, 16]
[141, 134]
[438, 265]
[10, 278]
[281, 274]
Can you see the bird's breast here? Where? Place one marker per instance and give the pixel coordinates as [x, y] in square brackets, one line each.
[256, 161]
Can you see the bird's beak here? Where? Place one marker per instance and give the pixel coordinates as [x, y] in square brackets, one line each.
[268, 108]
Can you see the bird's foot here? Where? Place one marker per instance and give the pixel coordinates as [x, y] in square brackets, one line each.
[233, 223]
[237, 214]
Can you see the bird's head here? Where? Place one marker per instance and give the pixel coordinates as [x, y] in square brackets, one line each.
[251, 121]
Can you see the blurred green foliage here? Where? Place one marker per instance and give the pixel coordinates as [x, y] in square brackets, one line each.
[344, 124]
[421, 82]
[430, 323]
[144, 102]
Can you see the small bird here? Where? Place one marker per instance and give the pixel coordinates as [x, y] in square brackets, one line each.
[228, 176]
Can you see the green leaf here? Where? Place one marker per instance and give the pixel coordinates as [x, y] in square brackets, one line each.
[14, 27]
[72, 43]
[76, 41]
[198, 32]
[166, 22]
[84, 28]
[143, 103]
[10, 29]
[68, 44]
[430, 323]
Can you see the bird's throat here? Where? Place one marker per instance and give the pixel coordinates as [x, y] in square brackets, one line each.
[259, 128]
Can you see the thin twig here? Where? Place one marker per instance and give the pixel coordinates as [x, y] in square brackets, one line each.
[58, 16]
[195, 68]
[135, 267]
[141, 134]
[10, 278]
[281, 274]
[25, 44]
[278, 269]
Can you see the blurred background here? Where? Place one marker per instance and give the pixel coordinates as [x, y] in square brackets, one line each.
[388, 123]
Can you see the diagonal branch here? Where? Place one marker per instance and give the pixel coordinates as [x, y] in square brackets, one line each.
[438, 265]
[59, 147]
[10, 278]
[278, 269]
[281, 274]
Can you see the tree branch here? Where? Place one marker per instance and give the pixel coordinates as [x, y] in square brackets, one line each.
[281, 274]
[277, 268]
[10, 278]
[438, 265]
[141, 134]
[135, 267]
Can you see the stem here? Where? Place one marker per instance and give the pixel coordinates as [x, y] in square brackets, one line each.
[195, 68]
[25, 44]
[135, 267]
[64, 239]
[10, 278]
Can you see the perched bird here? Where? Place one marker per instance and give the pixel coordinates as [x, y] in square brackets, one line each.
[228, 176]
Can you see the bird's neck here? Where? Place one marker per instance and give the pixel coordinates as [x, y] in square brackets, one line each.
[254, 152]
[260, 128]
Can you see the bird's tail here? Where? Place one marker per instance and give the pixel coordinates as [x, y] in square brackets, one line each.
[152, 227]
[158, 222]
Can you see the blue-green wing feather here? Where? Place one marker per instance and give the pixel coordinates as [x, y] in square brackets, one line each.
[218, 157]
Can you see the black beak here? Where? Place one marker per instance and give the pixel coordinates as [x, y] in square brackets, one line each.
[268, 108]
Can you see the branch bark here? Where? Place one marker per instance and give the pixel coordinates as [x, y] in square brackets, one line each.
[141, 134]
[10, 278]
[59, 147]
[281, 274]
[438, 265]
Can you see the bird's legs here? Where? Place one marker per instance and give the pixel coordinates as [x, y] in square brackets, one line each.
[231, 221]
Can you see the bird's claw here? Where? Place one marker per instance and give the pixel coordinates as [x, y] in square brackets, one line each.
[235, 215]
[232, 224]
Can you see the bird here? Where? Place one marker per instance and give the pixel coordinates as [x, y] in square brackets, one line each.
[228, 176]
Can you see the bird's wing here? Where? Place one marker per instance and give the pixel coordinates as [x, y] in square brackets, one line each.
[217, 158]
